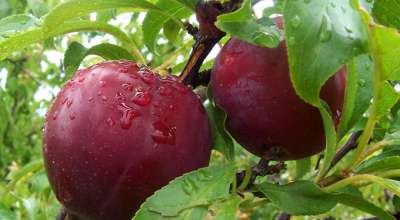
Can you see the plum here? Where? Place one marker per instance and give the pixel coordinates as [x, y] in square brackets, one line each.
[116, 133]
[264, 114]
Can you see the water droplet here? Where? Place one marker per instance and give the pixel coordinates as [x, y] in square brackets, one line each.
[99, 93]
[343, 9]
[128, 114]
[189, 186]
[64, 100]
[203, 175]
[295, 21]
[361, 83]
[141, 98]
[123, 70]
[81, 79]
[110, 122]
[127, 87]
[333, 5]
[348, 29]
[307, 1]
[165, 90]
[69, 103]
[147, 76]
[72, 116]
[180, 87]
[163, 134]
[102, 83]
[120, 96]
[325, 33]
[55, 115]
[90, 99]
[65, 196]
[104, 98]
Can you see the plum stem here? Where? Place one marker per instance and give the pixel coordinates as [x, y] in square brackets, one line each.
[206, 37]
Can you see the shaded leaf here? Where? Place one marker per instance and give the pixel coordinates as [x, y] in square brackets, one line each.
[77, 52]
[387, 12]
[358, 92]
[243, 25]
[299, 198]
[189, 193]
[222, 141]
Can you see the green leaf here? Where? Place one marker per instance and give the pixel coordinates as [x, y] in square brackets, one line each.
[76, 52]
[242, 25]
[396, 203]
[330, 139]
[6, 214]
[222, 141]
[385, 161]
[29, 168]
[227, 209]
[358, 92]
[16, 23]
[191, 4]
[4, 8]
[387, 12]
[389, 184]
[77, 8]
[22, 40]
[155, 20]
[191, 192]
[302, 167]
[171, 31]
[393, 138]
[387, 98]
[38, 7]
[386, 44]
[363, 205]
[321, 36]
[298, 198]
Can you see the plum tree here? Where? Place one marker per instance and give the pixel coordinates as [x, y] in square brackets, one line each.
[116, 133]
[264, 114]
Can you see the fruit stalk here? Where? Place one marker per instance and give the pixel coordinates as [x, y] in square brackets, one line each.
[206, 36]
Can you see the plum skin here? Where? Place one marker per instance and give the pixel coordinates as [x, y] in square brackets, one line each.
[116, 133]
[264, 114]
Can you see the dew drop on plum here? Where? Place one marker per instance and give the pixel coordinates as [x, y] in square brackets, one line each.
[128, 114]
[110, 122]
[147, 77]
[127, 87]
[102, 83]
[54, 117]
[165, 90]
[163, 134]
[141, 98]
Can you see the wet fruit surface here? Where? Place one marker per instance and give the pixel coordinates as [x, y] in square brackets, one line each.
[252, 84]
[118, 132]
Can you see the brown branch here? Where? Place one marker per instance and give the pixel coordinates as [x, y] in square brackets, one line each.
[350, 145]
[206, 36]
[261, 169]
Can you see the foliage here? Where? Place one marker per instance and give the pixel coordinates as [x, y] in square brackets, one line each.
[43, 42]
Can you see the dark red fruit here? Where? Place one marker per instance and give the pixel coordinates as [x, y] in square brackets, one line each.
[252, 84]
[118, 132]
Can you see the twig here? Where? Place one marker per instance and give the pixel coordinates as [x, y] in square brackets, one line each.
[349, 146]
[261, 169]
[206, 36]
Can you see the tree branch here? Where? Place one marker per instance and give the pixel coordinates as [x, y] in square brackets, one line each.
[261, 169]
[206, 36]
